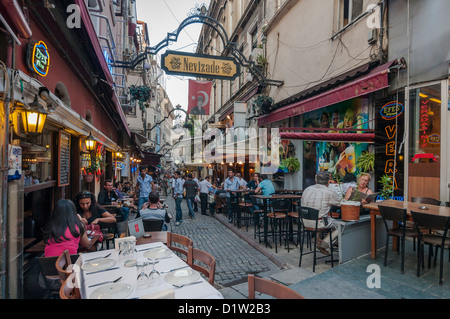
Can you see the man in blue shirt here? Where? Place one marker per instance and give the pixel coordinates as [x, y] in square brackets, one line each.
[178, 196]
[265, 186]
[145, 186]
[231, 184]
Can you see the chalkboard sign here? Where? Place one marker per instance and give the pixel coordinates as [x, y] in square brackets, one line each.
[63, 158]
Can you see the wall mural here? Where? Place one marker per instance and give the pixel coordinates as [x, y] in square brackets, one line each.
[338, 158]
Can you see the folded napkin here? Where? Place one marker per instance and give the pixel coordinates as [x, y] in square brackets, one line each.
[164, 294]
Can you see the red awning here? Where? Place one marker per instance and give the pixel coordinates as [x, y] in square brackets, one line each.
[375, 80]
[330, 137]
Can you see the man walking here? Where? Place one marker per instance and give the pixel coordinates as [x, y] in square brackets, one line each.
[205, 185]
[231, 184]
[145, 186]
[178, 196]
[198, 185]
[191, 190]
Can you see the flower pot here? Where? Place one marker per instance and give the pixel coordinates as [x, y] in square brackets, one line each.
[88, 178]
[350, 210]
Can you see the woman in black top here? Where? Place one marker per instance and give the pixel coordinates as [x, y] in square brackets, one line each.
[89, 211]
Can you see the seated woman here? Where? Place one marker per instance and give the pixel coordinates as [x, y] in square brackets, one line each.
[90, 212]
[64, 230]
[363, 181]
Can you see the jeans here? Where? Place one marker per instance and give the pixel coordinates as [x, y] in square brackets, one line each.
[179, 213]
[125, 211]
[230, 199]
[212, 208]
[190, 201]
[204, 202]
[142, 201]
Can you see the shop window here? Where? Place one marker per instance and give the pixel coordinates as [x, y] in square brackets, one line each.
[36, 159]
[425, 121]
[254, 38]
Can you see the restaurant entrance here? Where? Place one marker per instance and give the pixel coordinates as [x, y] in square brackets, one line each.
[424, 142]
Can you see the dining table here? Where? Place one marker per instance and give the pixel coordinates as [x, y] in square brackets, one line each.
[106, 275]
[265, 199]
[409, 206]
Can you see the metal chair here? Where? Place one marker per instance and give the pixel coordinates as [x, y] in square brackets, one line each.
[203, 259]
[270, 288]
[433, 223]
[312, 215]
[256, 218]
[397, 215]
[426, 200]
[153, 224]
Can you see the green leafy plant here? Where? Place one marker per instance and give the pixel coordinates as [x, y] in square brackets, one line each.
[291, 163]
[388, 187]
[91, 169]
[141, 93]
[366, 162]
[263, 103]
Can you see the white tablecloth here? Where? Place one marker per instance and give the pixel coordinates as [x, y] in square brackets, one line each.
[202, 290]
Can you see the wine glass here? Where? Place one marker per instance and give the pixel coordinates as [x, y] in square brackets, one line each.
[142, 281]
[154, 277]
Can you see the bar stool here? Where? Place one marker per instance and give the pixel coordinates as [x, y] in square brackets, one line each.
[256, 217]
[278, 218]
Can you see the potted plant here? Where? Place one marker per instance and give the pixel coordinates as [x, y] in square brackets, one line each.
[291, 163]
[366, 162]
[263, 103]
[388, 187]
[141, 94]
[89, 172]
[350, 210]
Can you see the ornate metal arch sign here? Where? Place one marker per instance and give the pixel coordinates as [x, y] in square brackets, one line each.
[201, 65]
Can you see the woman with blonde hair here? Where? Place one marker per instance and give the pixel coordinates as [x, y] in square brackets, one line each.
[363, 182]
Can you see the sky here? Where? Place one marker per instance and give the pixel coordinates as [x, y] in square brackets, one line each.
[162, 17]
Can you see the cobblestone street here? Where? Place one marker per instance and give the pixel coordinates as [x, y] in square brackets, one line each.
[235, 258]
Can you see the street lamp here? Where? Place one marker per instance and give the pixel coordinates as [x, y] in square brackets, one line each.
[33, 117]
[90, 142]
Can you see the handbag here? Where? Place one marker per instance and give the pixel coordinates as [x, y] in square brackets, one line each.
[211, 198]
[95, 229]
[197, 198]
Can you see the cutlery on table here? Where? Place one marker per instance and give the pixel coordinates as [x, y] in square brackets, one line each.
[98, 257]
[106, 282]
[188, 284]
[147, 249]
[96, 272]
[167, 271]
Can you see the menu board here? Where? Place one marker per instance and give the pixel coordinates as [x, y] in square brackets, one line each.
[63, 158]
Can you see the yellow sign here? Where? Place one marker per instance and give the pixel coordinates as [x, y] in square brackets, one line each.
[207, 66]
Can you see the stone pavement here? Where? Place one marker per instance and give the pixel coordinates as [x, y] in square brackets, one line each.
[238, 254]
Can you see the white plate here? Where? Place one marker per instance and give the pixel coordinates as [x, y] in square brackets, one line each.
[182, 276]
[112, 291]
[158, 253]
[98, 264]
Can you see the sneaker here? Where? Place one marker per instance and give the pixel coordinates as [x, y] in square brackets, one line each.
[178, 223]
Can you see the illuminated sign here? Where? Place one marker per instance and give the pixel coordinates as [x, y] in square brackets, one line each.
[38, 58]
[207, 66]
[391, 110]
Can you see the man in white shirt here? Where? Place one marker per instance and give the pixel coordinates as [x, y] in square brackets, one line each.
[322, 198]
[242, 182]
[205, 185]
[198, 185]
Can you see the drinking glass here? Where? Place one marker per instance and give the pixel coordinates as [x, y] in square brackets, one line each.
[154, 277]
[142, 277]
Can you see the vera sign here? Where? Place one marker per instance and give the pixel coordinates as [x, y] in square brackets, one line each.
[391, 110]
[38, 58]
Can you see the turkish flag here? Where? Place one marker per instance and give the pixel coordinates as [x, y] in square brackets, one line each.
[199, 95]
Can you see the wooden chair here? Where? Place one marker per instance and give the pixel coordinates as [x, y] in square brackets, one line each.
[62, 265]
[69, 290]
[206, 259]
[270, 288]
[179, 240]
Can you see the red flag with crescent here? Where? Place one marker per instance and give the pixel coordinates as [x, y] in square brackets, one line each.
[199, 96]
